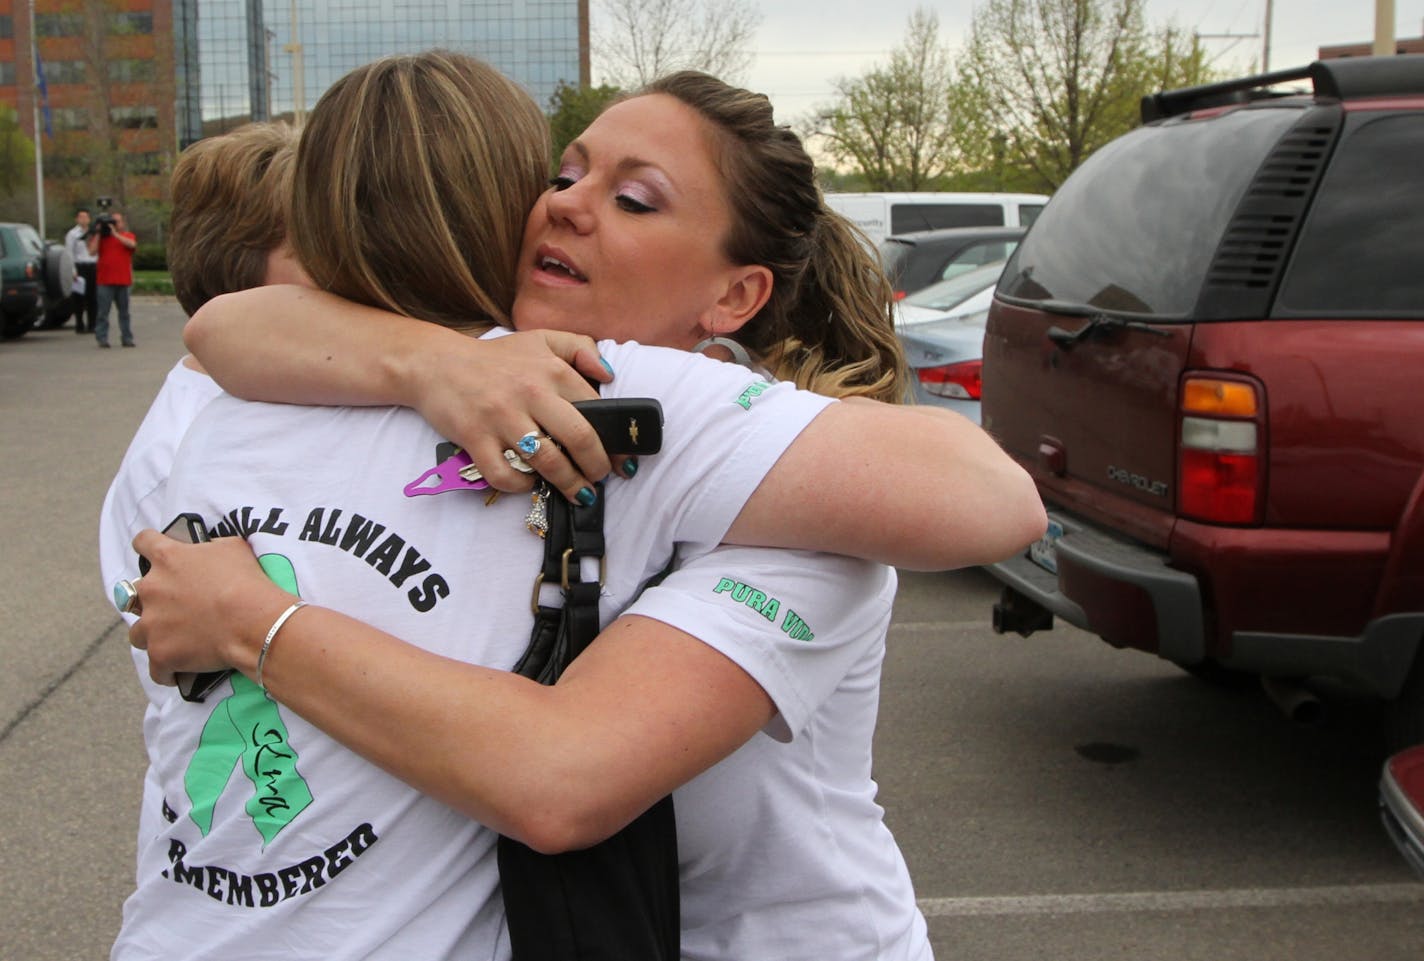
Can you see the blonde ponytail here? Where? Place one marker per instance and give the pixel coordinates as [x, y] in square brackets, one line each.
[828, 325]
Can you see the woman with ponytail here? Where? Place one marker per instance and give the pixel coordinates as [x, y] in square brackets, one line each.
[746, 682]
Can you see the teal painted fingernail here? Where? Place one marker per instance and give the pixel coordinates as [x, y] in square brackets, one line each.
[606, 365]
[630, 467]
[586, 496]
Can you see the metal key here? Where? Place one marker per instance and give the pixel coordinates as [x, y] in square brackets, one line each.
[458, 472]
[455, 472]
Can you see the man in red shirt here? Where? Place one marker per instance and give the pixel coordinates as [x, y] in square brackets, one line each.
[114, 274]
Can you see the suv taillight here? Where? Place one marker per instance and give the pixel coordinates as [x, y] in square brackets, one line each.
[963, 381]
[1222, 471]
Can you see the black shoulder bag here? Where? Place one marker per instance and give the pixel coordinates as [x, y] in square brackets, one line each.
[618, 900]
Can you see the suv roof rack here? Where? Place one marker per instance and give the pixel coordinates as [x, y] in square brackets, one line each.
[1343, 78]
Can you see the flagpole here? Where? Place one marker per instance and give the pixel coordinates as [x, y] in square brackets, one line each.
[39, 150]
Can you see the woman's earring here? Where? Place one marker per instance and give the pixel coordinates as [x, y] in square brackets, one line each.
[738, 352]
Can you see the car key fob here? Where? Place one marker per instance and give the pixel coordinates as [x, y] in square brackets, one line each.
[189, 528]
[625, 425]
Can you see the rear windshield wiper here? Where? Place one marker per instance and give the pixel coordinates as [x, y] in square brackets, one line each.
[1098, 325]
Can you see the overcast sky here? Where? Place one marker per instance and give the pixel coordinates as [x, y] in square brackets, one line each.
[803, 45]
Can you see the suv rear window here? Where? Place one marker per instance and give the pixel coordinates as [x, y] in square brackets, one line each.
[31, 241]
[1135, 229]
[1361, 252]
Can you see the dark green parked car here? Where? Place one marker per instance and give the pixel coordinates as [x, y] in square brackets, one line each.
[36, 278]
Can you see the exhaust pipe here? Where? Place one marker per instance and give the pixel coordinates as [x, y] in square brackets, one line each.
[1300, 705]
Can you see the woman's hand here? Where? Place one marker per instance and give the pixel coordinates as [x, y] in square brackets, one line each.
[203, 607]
[486, 394]
[294, 345]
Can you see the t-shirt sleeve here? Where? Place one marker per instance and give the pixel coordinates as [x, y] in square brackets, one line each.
[796, 621]
[135, 499]
[724, 427]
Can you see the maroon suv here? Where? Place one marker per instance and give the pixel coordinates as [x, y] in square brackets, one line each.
[1209, 353]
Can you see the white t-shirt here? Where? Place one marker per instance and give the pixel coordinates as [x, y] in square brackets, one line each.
[784, 852]
[78, 247]
[280, 843]
[134, 502]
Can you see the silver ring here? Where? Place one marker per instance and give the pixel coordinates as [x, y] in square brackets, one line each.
[517, 462]
[126, 595]
[529, 444]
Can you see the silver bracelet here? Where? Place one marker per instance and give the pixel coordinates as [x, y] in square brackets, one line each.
[267, 641]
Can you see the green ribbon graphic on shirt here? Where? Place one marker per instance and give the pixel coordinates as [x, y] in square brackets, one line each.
[246, 729]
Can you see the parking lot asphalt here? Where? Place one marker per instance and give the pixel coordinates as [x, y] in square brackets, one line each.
[1054, 798]
[70, 745]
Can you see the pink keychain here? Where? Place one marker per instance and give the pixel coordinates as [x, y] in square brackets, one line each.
[456, 472]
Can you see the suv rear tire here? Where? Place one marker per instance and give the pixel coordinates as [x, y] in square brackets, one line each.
[58, 272]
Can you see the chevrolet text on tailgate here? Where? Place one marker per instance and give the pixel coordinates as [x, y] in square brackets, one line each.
[1209, 353]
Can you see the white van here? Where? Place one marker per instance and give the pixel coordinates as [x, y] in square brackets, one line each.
[881, 215]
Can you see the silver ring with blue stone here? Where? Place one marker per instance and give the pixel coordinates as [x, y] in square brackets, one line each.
[529, 444]
[126, 596]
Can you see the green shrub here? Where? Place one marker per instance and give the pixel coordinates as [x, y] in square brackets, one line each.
[152, 282]
[150, 257]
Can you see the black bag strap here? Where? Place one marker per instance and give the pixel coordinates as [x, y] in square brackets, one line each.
[561, 633]
[617, 900]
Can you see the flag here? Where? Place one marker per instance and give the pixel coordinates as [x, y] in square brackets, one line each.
[44, 94]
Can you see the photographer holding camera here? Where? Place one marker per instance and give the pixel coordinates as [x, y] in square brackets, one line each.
[111, 241]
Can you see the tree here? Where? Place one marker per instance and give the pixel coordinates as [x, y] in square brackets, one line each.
[637, 41]
[17, 154]
[572, 109]
[1044, 83]
[892, 124]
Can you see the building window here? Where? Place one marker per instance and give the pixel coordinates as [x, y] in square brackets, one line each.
[59, 24]
[7, 27]
[66, 167]
[150, 164]
[131, 23]
[64, 71]
[70, 118]
[133, 118]
[7, 73]
[131, 71]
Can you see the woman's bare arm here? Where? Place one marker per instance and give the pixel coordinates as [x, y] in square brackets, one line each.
[917, 487]
[288, 344]
[640, 712]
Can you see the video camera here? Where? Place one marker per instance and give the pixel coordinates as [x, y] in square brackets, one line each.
[103, 224]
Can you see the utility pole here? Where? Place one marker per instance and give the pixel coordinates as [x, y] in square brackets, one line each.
[299, 96]
[39, 131]
[1266, 42]
[1384, 28]
[259, 103]
[270, 74]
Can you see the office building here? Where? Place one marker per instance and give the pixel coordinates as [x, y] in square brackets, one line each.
[129, 83]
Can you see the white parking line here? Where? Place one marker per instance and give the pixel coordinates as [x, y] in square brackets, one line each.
[1172, 900]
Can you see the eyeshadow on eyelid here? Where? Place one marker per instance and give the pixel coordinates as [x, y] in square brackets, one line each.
[642, 193]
